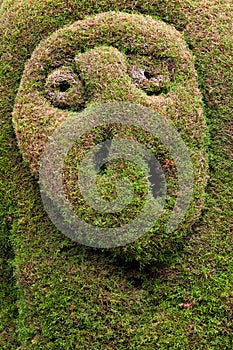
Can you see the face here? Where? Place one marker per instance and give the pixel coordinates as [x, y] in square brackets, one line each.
[102, 59]
[107, 58]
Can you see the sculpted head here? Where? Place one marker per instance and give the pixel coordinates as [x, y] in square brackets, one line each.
[114, 57]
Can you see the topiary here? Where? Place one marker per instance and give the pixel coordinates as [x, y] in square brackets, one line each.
[95, 62]
[70, 297]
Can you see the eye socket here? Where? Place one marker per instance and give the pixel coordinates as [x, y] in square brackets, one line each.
[148, 75]
[64, 89]
[153, 75]
[64, 86]
[152, 82]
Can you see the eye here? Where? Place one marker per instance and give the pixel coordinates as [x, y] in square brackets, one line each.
[153, 75]
[152, 82]
[64, 86]
[64, 89]
[148, 75]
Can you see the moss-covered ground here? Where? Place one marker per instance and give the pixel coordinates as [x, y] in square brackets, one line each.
[58, 295]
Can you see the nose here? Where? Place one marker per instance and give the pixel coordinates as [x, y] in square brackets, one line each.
[104, 73]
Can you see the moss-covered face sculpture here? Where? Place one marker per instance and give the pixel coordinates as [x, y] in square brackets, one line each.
[107, 58]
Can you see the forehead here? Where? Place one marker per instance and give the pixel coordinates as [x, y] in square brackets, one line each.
[131, 34]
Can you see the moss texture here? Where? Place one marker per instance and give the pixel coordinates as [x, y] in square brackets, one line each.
[70, 297]
[76, 71]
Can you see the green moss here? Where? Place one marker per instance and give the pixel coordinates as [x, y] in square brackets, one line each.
[71, 297]
[101, 74]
